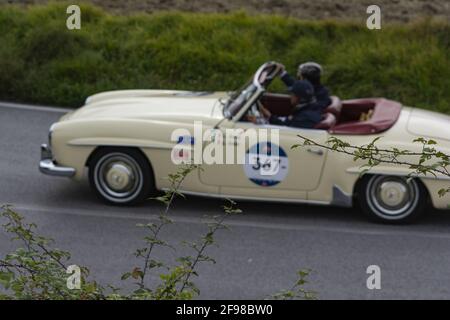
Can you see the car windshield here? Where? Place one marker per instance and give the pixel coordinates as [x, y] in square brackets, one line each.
[238, 99]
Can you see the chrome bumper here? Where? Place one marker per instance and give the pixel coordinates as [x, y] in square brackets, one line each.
[48, 166]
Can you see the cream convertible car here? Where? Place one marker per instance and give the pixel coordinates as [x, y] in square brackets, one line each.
[124, 139]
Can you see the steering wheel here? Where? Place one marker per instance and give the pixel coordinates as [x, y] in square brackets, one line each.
[255, 111]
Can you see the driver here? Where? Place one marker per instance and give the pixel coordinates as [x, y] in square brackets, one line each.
[312, 72]
[306, 112]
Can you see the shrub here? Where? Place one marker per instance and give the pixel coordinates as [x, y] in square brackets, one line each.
[38, 271]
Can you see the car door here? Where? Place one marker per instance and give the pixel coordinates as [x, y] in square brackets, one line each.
[289, 173]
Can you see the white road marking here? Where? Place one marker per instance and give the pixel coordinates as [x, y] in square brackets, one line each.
[238, 222]
[33, 108]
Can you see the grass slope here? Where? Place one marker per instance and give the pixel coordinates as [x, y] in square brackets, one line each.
[43, 62]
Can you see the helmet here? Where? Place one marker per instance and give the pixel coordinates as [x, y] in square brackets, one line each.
[311, 71]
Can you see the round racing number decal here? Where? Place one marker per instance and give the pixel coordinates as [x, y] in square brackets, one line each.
[266, 164]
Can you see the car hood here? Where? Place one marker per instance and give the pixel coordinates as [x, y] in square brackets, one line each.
[429, 124]
[149, 104]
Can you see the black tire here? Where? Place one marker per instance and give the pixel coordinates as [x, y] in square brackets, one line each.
[402, 201]
[121, 176]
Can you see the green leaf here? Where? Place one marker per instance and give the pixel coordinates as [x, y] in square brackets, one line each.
[5, 278]
[125, 276]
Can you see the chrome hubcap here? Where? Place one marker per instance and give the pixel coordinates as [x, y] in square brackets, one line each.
[118, 177]
[392, 193]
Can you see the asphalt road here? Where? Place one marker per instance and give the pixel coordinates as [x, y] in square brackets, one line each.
[259, 256]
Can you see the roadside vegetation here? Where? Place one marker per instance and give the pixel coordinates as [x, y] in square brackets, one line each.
[42, 62]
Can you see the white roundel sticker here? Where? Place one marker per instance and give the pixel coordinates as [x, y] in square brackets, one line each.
[266, 164]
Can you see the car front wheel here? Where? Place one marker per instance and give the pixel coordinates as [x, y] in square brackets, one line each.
[121, 176]
[392, 199]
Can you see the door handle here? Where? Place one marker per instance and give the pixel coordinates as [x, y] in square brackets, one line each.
[319, 152]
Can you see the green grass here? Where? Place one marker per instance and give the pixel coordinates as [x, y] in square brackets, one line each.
[43, 62]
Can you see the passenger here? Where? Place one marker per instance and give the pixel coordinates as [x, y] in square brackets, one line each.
[306, 112]
[312, 72]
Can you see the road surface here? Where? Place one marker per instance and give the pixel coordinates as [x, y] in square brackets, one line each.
[267, 244]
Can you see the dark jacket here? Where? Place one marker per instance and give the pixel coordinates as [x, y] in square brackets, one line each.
[321, 93]
[304, 116]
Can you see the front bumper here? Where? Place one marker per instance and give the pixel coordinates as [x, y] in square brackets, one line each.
[49, 167]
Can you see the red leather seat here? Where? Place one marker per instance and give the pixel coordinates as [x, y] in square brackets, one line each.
[385, 115]
[329, 120]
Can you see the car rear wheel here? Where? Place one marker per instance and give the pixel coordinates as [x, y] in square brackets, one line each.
[121, 176]
[392, 199]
